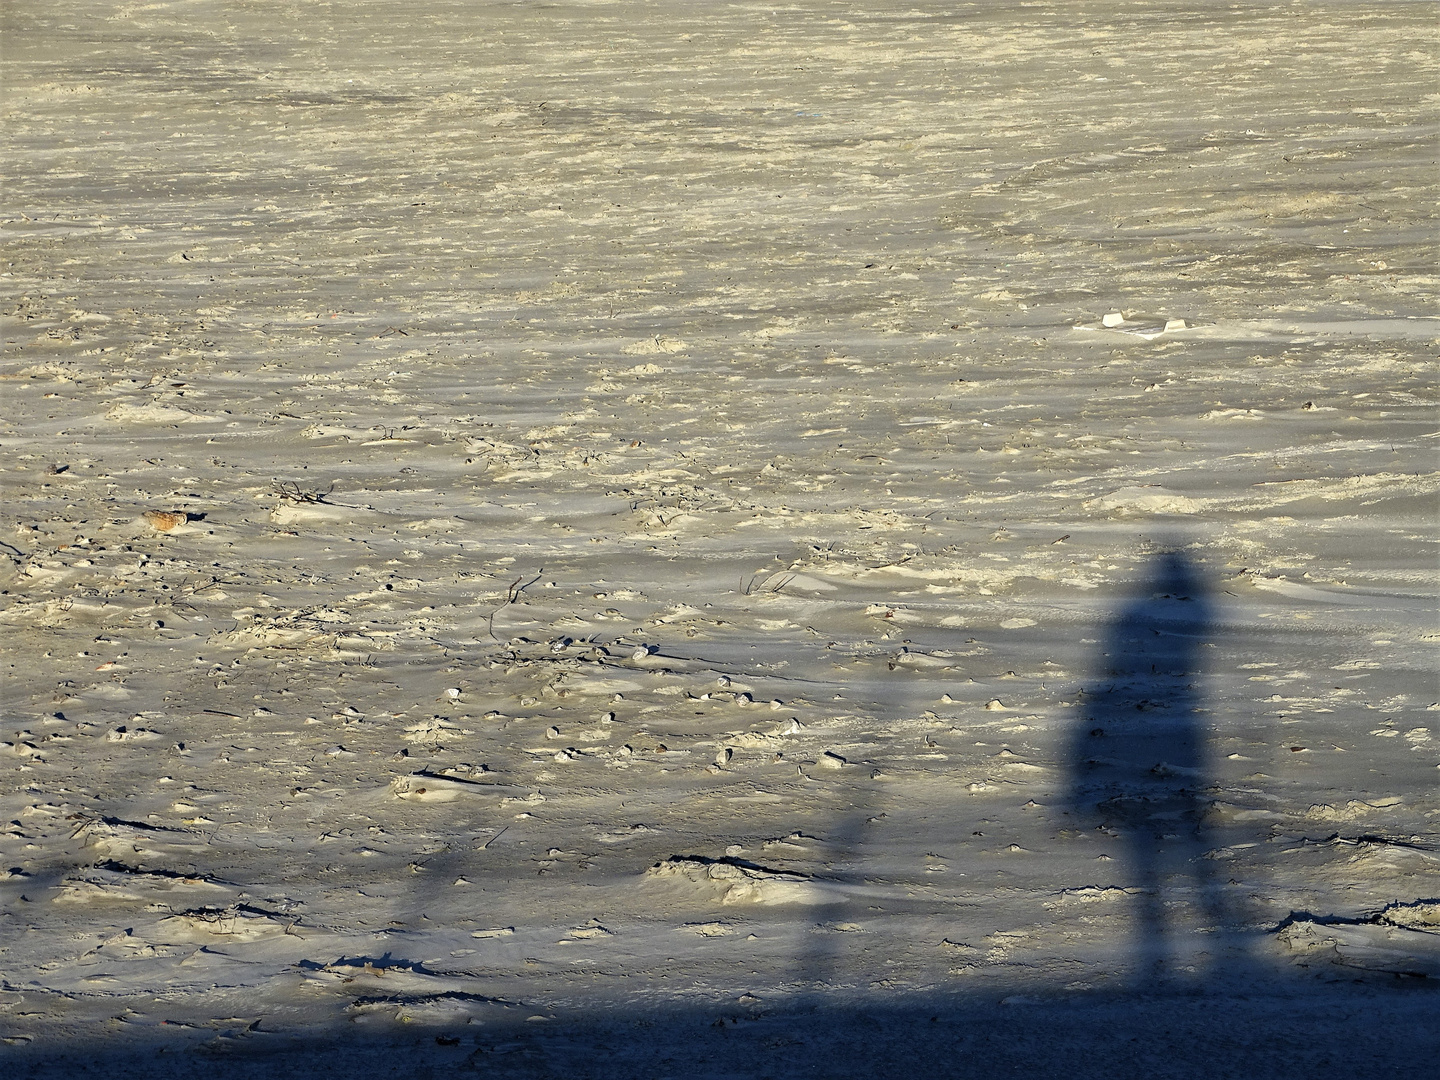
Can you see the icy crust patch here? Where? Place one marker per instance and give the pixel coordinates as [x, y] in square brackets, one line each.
[1420, 915]
[433, 788]
[237, 922]
[385, 978]
[1402, 939]
[113, 882]
[732, 881]
[1155, 499]
[151, 413]
[115, 838]
[1095, 894]
[1147, 500]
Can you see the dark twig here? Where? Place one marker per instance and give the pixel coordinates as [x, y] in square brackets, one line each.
[295, 493]
[512, 595]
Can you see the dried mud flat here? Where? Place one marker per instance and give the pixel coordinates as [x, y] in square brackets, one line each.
[684, 539]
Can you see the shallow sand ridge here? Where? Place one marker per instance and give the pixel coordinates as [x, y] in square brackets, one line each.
[655, 518]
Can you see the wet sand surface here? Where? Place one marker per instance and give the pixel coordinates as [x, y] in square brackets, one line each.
[685, 539]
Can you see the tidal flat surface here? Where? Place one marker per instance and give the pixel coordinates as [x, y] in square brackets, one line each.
[618, 539]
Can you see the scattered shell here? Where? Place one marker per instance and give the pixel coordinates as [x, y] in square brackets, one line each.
[165, 520]
[723, 757]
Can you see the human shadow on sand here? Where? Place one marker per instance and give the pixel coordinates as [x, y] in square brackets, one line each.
[1139, 766]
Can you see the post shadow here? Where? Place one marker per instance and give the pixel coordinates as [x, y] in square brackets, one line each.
[1139, 765]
